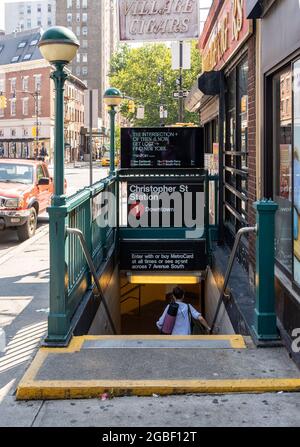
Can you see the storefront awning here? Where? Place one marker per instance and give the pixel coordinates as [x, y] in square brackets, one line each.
[194, 99]
[207, 85]
[256, 9]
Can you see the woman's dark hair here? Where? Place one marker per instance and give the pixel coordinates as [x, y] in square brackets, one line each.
[178, 293]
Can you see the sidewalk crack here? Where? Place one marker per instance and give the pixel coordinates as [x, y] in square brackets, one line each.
[38, 412]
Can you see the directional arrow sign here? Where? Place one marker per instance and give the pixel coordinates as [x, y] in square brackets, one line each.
[180, 94]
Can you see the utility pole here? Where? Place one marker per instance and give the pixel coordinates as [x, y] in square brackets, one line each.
[36, 96]
[91, 136]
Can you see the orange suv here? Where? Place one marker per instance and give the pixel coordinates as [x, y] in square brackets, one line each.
[26, 189]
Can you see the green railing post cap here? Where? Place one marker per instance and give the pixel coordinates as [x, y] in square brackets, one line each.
[265, 205]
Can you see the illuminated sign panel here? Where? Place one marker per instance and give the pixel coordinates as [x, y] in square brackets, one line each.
[164, 147]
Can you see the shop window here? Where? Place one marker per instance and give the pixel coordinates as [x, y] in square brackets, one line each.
[236, 151]
[282, 166]
[296, 165]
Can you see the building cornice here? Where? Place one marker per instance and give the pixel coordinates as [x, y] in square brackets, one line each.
[24, 66]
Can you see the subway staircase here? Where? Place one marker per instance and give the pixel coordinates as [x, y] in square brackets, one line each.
[156, 364]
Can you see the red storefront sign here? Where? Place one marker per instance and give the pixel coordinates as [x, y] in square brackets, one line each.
[230, 30]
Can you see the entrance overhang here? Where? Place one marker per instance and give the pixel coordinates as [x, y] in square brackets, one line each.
[256, 9]
[207, 86]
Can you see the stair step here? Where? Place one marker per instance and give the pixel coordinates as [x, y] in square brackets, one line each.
[165, 342]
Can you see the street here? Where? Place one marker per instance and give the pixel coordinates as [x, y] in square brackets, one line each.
[77, 178]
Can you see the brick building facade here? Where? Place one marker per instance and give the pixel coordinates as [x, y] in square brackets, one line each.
[27, 123]
[225, 95]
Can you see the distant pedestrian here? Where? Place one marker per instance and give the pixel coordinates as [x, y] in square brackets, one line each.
[185, 313]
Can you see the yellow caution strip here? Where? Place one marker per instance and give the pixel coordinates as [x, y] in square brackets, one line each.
[236, 341]
[46, 390]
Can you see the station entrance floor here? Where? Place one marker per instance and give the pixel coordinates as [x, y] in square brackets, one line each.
[144, 365]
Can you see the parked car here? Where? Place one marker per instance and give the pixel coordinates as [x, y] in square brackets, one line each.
[26, 189]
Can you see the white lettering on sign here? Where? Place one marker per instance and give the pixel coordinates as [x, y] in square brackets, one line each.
[152, 20]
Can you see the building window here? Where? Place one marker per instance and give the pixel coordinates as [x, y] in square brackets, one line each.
[13, 107]
[69, 17]
[22, 44]
[84, 31]
[37, 82]
[49, 22]
[84, 43]
[28, 23]
[78, 4]
[25, 83]
[25, 106]
[13, 85]
[49, 7]
[84, 58]
[28, 9]
[15, 59]
[78, 18]
[78, 71]
[236, 153]
[78, 58]
[78, 30]
[39, 22]
[1, 116]
[84, 17]
[69, 4]
[39, 8]
[84, 71]
[84, 4]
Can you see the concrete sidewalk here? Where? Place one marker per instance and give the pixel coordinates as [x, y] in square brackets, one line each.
[24, 302]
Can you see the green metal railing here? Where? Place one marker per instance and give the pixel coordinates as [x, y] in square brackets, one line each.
[70, 276]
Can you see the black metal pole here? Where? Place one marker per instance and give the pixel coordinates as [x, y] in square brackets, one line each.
[37, 123]
[91, 137]
[181, 105]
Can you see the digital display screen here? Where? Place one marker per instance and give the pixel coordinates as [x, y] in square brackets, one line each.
[164, 147]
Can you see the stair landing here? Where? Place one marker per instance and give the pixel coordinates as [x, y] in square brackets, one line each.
[143, 365]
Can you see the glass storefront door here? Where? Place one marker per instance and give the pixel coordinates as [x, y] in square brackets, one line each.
[236, 153]
[282, 165]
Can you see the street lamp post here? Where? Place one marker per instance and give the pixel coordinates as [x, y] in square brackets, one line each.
[59, 46]
[112, 98]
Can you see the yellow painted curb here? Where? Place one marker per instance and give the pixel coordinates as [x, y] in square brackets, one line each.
[46, 390]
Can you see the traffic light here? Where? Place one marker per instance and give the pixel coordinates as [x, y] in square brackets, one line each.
[3, 102]
[131, 106]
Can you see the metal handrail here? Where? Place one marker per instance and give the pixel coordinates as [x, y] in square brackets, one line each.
[79, 234]
[238, 237]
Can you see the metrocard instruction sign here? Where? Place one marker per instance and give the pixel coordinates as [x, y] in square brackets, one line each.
[157, 20]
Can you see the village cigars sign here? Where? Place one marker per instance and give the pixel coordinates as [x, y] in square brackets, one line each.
[158, 20]
[229, 32]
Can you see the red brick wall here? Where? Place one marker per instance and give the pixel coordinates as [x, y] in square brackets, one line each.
[45, 92]
[252, 143]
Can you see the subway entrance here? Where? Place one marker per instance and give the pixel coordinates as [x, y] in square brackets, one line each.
[117, 251]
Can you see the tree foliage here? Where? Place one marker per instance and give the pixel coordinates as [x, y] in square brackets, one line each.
[135, 71]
